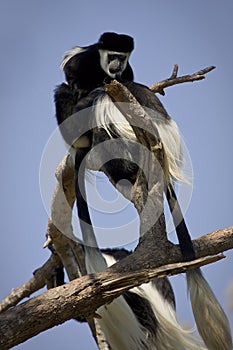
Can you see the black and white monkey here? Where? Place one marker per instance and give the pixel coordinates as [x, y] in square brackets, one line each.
[86, 117]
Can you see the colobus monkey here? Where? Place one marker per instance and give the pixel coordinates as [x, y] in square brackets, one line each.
[86, 70]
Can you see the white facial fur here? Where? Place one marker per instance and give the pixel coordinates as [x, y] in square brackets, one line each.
[105, 64]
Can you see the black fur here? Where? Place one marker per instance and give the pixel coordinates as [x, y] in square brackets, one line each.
[84, 74]
[139, 305]
[116, 42]
[83, 71]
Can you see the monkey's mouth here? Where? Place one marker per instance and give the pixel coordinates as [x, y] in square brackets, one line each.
[115, 75]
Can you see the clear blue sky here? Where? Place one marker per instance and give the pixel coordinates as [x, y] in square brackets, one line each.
[34, 35]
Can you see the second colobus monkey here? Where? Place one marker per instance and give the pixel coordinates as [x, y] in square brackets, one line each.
[86, 70]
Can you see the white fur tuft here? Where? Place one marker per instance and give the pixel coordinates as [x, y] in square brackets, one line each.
[119, 324]
[71, 53]
[124, 332]
[121, 328]
[107, 114]
[170, 334]
[210, 318]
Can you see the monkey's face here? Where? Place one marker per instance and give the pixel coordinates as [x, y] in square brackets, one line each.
[113, 63]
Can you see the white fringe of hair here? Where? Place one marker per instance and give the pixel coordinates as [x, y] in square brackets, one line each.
[124, 332]
[106, 114]
[71, 53]
[210, 318]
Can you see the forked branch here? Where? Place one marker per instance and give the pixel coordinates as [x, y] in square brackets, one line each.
[174, 80]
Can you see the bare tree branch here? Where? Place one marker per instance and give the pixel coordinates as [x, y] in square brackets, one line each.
[60, 233]
[83, 296]
[174, 80]
[38, 281]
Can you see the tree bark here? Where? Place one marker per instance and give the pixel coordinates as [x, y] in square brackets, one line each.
[83, 296]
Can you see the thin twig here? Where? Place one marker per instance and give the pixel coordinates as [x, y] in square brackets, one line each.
[174, 72]
[174, 80]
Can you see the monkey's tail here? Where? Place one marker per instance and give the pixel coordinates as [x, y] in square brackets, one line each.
[210, 318]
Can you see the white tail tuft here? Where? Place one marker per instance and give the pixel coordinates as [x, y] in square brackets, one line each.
[210, 318]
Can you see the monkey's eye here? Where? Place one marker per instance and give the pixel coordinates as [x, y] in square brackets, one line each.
[111, 57]
[119, 57]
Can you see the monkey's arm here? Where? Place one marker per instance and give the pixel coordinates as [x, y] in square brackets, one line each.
[73, 116]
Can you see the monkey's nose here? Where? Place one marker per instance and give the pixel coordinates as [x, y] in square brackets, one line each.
[114, 67]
